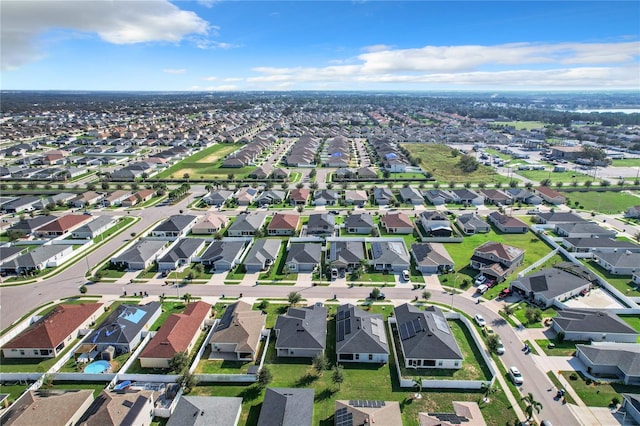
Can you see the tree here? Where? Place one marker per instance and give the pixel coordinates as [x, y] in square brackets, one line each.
[83, 289]
[14, 234]
[488, 389]
[186, 176]
[545, 182]
[179, 362]
[264, 377]
[492, 343]
[375, 293]
[532, 314]
[294, 298]
[337, 376]
[507, 310]
[320, 363]
[426, 295]
[187, 380]
[187, 298]
[299, 185]
[417, 385]
[468, 164]
[532, 405]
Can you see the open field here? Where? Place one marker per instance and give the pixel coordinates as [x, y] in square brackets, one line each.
[521, 125]
[206, 164]
[565, 177]
[437, 160]
[606, 202]
[627, 162]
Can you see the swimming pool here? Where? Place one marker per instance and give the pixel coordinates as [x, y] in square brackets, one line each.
[98, 367]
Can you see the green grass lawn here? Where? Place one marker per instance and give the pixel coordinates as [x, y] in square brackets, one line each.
[558, 385]
[622, 283]
[565, 177]
[521, 125]
[633, 321]
[564, 348]
[519, 313]
[32, 365]
[597, 395]
[606, 202]
[205, 163]
[437, 160]
[14, 390]
[627, 162]
[278, 271]
[168, 308]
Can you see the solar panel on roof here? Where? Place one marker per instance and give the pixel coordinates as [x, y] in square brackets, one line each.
[340, 315]
[343, 417]
[340, 331]
[416, 325]
[347, 327]
[347, 314]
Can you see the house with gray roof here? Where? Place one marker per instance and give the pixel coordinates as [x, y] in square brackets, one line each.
[390, 256]
[124, 326]
[86, 199]
[597, 326]
[54, 199]
[175, 226]
[609, 359]
[301, 332]
[583, 230]
[322, 224]
[621, 262]
[45, 256]
[553, 218]
[206, 410]
[303, 257]
[631, 406]
[22, 204]
[28, 226]
[287, 407]
[411, 196]
[439, 197]
[555, 284]
[246, 225]
[383, 196]
[356, 196]
[361, 223]
[346, 255]
[181, 253]
[471, 223]
[237, 335]
[325, 197]
[431, 258]
[496, 260]
[217, 197]
[435, 223]
[360, 336]
[223, 255]
[507, 224]
[139, 256]
[467, 197]
[524, 196]
[97, 226]
[426, 339]
[10, 253]
[602, 245]
[58, 407]
[262, 255]
[271, 197]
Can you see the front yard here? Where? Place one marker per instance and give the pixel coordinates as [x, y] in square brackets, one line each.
[596, 394]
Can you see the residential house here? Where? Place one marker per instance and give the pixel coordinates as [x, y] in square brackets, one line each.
[124, 326]
[389, 256]
[283, 224]
[603, 245]
[619, 262]
[632, 212]
[139, 256]
[206, 410]
[555, 284]
[217, 197]
[367, 173]
[524, 196]
[131, 407]
[58, 407]
[361, 223]
[426, 340]
[631, 406]
[287, 407]
[301, 332]
[346, 255]
[210, 223]
[237, 335]
[22, 204]
[321, 224]
[467, 413]
[358, 197]
[303, 257]
[115, 198]
[246, 196]
[86, 199]
[280, 173]
[183, 252]
[383, 196]
[550, 195]
[608, 359]
[271, 197]
[467, 197]
[56, 199]
[10, 253]
[583, 230]
[42, 257]
[496, 197]
[223, 255]
[597, 326]
[397, 223]
[28, 226]
[261, 172]
[507, 224]
[63, 225]
[439, 197]
[179, 333]
[263, 254]
[175, 226]
[366, 412]
[435, 224]
[496, 260]
[431, 258]
[138, 197]
[246, 225]
[411, 196]
[471, 223]
[95, 228]
[299, 197]
[360, 336]
[553, 218]
[325, 197]
[50, 334]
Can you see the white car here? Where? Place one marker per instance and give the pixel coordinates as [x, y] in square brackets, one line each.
[500, 348]
[515, 375]
[482, 288]
[480, 320]
[480, 280]
[405, 275]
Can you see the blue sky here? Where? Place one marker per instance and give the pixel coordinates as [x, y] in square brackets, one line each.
[212, 45]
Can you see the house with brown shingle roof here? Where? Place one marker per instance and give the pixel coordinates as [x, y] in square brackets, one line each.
[210, 224]
[299, 197]
[56, 406]
[238, 333]
[131, 407]
[63, 225]
[496, 260]
[507, 224]
[397, 223]
[179, 333]
[283, 224]
[550, 195]
[49, 335]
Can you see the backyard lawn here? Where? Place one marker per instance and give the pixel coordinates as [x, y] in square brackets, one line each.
[622, 283]
[32, 365]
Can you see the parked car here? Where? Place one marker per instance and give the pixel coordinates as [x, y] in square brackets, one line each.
[479, 319]
[488, 331]
[500, 348]
[482, 289]
[380, 296]
[480, 280]
[515, 375]
[504, 293]
[405, 275]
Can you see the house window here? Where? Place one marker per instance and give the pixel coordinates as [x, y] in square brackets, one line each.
[357, 356]
[439, 363]
[456, 364]
[370, 357]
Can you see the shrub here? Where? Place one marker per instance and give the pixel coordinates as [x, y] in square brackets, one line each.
[573, 376]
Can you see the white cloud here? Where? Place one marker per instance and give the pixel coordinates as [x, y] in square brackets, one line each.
[175, 70]
[376, 48]
[210, 78]
[208, 3]
[205, 43]
[114, 21]
[517, 65]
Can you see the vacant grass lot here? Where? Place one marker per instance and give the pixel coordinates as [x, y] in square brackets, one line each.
[521, 125]
[565, 177]
[206, 164]
[437, 160]
[627, 162]
[607, 202]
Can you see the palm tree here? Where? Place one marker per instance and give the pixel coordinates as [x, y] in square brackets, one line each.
[487, 390]
[507, 310]
[187, 297]
[532, 404]
[417, 385]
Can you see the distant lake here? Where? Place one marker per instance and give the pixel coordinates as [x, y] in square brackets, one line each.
[625, 111]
